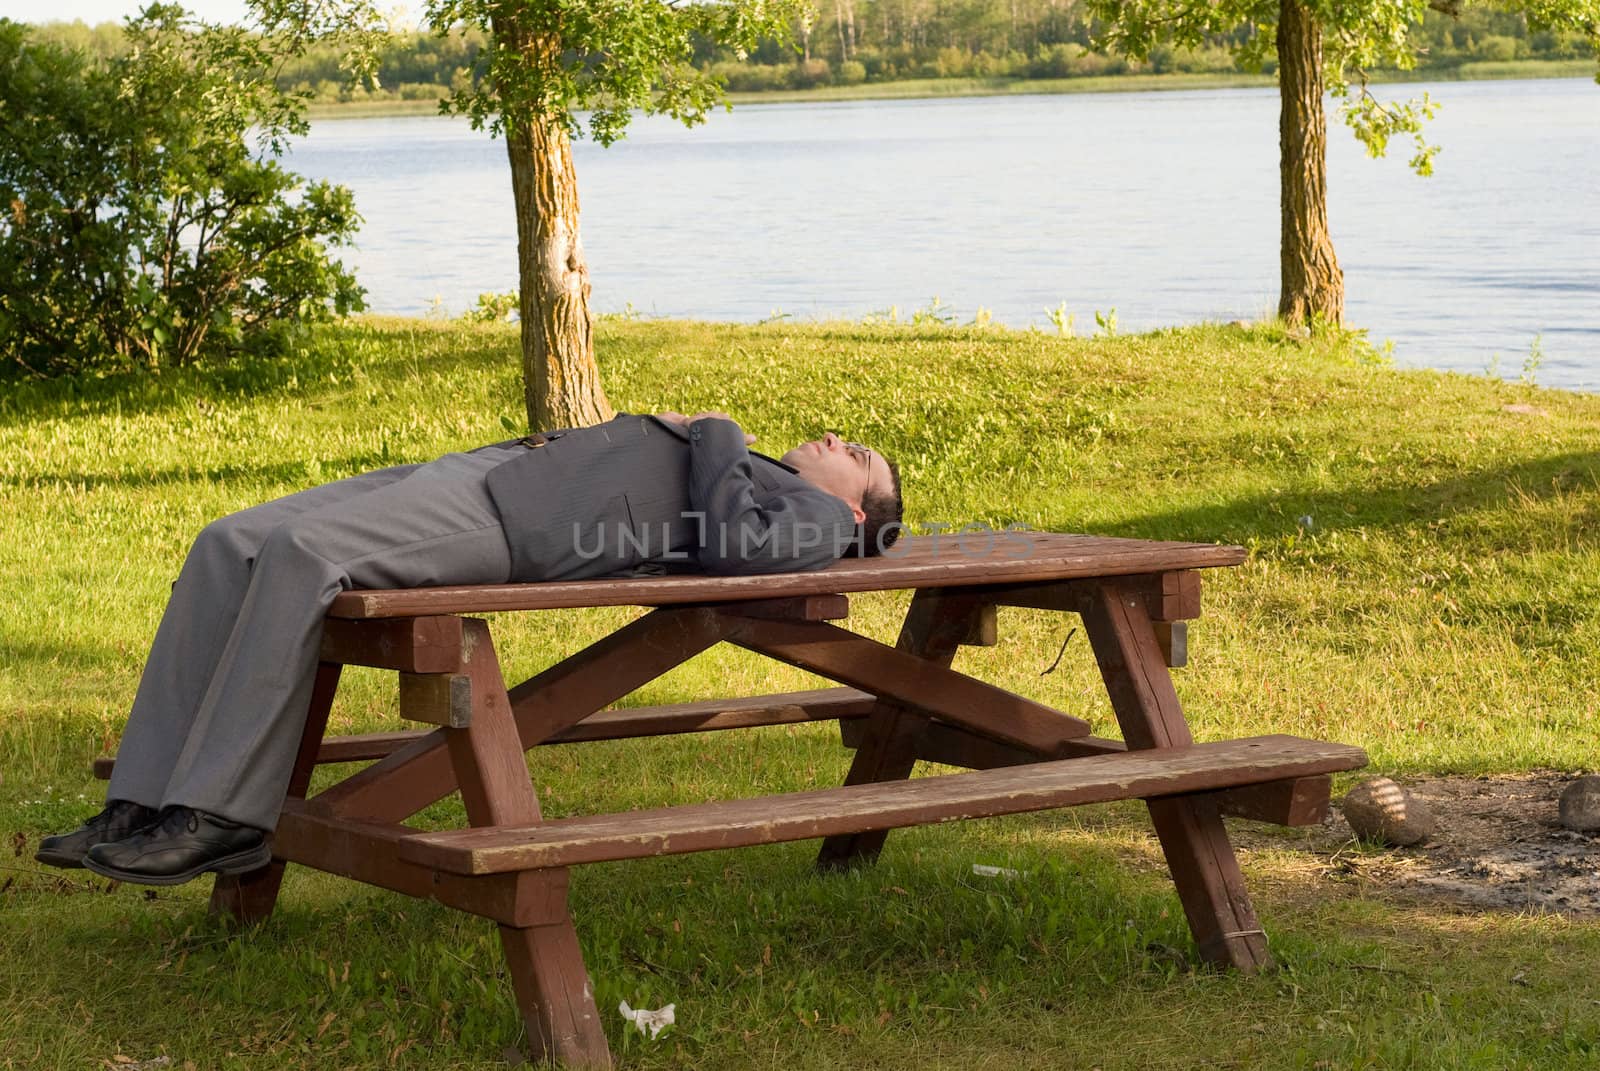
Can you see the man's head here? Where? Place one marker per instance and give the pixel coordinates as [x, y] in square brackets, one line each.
[868, 482]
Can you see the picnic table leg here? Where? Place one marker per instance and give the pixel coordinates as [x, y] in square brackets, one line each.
[1192, 836]
[937, 622]
[546, 964]
[250, 897]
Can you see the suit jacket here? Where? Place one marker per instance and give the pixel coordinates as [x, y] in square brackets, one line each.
[638, 494]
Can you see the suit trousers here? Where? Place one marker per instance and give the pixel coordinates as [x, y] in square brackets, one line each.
[221, 706]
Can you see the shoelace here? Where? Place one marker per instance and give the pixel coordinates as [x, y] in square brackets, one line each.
[171, 821]
[119, 811]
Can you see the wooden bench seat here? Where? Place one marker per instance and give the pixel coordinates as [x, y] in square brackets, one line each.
[852, 809]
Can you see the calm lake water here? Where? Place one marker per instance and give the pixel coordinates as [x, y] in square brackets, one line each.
[1163, 206]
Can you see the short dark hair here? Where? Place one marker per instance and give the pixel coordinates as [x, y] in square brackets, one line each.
[884, 511]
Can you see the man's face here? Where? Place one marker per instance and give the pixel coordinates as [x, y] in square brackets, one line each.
[846, 470]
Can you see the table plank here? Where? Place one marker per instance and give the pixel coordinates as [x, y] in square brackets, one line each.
[1149, 773]
[925, 561]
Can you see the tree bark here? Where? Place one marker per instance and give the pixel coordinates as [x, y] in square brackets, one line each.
[1312, 283]
[561, 381]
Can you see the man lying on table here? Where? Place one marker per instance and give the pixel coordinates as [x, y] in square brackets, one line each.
[216, 723]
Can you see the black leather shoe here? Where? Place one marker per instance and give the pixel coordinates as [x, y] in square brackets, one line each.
[181, 845]
[118, 820]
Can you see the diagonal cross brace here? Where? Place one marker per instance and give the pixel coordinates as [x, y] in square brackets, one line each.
[915, 682]
[419, 773]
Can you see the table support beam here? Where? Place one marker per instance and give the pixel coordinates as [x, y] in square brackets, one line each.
[1199, 856]
[547, 970]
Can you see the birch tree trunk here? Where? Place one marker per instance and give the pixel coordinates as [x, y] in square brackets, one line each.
[1312, 283]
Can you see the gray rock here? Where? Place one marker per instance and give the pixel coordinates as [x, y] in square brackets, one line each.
[1379, 809]
[1580, 804]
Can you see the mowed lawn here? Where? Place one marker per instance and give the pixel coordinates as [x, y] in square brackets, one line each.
[1423, 580]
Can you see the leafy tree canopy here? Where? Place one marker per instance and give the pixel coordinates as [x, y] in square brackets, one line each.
[547, 60]
[607, 58]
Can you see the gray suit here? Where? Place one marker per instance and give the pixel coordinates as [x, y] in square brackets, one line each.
[221, 705]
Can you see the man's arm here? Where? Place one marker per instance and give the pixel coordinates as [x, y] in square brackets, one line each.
[801, 529]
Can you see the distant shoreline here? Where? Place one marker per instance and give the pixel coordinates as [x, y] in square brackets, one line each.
[913, 89]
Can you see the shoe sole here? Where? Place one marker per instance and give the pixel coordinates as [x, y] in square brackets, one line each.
[63, 860]
[238, 863]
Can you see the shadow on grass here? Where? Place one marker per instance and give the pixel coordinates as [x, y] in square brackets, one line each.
[1270, 514]
[295, 474]
[80, 654]
[332, 355]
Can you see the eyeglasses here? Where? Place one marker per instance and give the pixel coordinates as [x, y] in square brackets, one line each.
[864, 453]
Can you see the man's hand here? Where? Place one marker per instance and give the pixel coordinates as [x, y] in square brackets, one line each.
[683, 421]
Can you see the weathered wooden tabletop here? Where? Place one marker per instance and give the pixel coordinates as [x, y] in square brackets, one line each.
[943, 560]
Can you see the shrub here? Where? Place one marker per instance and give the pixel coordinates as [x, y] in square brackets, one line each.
[139, 229]
[421, 91]
[812, 72]
[750, 77]
[852, 73]
[878, 67]
[987, 65]
[1068, 60]
[953, 62]
[492, 307]
[1495, 48]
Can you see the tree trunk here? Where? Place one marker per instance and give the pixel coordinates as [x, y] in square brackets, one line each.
[561, 382]
[1312, 284]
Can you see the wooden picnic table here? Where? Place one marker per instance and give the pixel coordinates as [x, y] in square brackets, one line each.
[895, 705]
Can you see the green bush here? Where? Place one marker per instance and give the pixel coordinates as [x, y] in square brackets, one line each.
[812, 72]
[1495, 48]
[878, 66]
[750, 77]
[852, 73]
[987, 65]
[1054, 61]
[1203, 59]
[421, 91]
[953, 62]
[139, 229]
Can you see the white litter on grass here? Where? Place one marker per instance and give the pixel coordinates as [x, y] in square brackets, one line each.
[648, 1019]
[995, 872]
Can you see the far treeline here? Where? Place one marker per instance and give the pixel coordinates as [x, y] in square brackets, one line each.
[854, 42]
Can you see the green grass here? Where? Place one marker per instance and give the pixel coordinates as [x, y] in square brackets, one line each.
[1439, 610]
[916, 88]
